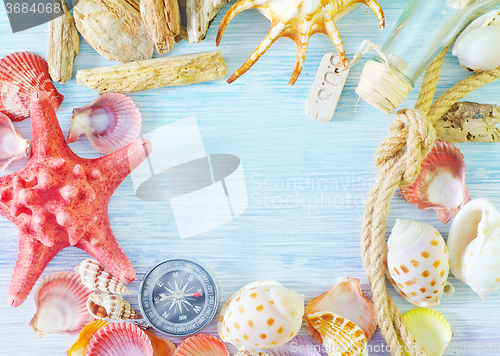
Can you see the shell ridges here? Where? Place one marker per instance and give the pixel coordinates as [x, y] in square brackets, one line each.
[96, 277]
[202, 345]
[122, 339]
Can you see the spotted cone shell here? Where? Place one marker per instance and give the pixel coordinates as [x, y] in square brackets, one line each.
[96, 277]
[112, 306]
[418, 263]
[341, 337]
[261, 315]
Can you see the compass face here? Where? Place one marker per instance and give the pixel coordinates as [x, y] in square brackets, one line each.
[178, 297]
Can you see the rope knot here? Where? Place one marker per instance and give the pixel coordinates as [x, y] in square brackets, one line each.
[410, 138]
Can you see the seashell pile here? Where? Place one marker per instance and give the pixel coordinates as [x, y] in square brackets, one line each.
[202, 345]
[441, 182]
[474, 244]
[345, 299]
[122, 339]
[112, 306]
[96, 277]
[12, 145]
[418, 263]
[60, 305]
[21, 75]
[261, 315]
[477, 46]
[341, 337]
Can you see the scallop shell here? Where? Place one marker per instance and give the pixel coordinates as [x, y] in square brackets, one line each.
[161, 347]
[122, 339]
[202, 345]
[60, 305]
[110, 123]
[474, 243]
[112, 306]
[429, 328]
[79, 347]
[12, 145]
[418, 263]
[298, 346]
[261, 315]
[251, 353]
[341, 337]
[22, 74]
[441, 182]
[344, 298]
[96, 277]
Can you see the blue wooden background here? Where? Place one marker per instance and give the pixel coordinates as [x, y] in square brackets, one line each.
[305, 244]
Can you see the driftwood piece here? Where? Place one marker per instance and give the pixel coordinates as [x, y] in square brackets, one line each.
[163, 22]
[114, 28]
[63, 44]
[197, 15]
[155, 73]
[469, 122]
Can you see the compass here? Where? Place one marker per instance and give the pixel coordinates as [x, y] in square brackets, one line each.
[178, 297]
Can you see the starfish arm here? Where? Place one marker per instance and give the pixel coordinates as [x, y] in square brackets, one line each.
[102, 245]
[302, 42]
[333, 33]
[116, 166]
[32, 259]
[377, 10]
[47, 134]
[6, 196]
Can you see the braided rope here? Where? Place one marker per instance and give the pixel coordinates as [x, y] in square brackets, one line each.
[398, 159]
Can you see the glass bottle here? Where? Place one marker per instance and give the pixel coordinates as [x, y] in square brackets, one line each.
[424, 29]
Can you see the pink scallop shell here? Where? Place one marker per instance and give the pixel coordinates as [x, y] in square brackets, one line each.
[21, 75]
[345, 299]
[202, 345]
[298, 346]
[110, 123]
[60, 300]
[441, 182]
[122, 339]
[12, 145]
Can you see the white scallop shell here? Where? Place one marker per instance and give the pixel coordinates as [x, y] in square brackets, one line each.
[474, 243]
[12, 145]
[261, 315]
[418, 263]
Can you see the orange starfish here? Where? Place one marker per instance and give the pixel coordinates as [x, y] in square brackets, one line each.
[59, 199]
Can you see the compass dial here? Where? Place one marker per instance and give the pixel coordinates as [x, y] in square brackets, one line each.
[178, 297]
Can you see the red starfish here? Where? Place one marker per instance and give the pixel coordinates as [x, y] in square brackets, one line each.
[59, 199]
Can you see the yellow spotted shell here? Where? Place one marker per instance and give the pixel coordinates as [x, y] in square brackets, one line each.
[261, 315]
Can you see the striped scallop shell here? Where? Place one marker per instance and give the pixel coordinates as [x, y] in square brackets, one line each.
[202, 345]
[21, 75]
[96, 277]
[344, 298]
[261, 315]
[122, 339]
[341, 337]
[418, 263]
[111, 306]
[60, 305]
[79, 347]
[251, 353]
[110, 123]
[12, 145]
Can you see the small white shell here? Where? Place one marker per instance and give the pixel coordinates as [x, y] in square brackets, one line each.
[96, 277]
[477, 47]
[261, 315]
[474, 243]
[112, 306]
[12, 145]
[418, 263]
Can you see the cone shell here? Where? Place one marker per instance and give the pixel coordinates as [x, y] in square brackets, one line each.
[418, 263]
[122, 339]
[112, 306]
[441, 182]
[341, 337]
[429, 328]
[202, 345]
[21, 75]
[96, 277]
[110, 123]
[261, 315]
[161, 347]
[60, 305]
[474, 243]
[79, 347]
[298, 346]
[344, 298]
[12, 145]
